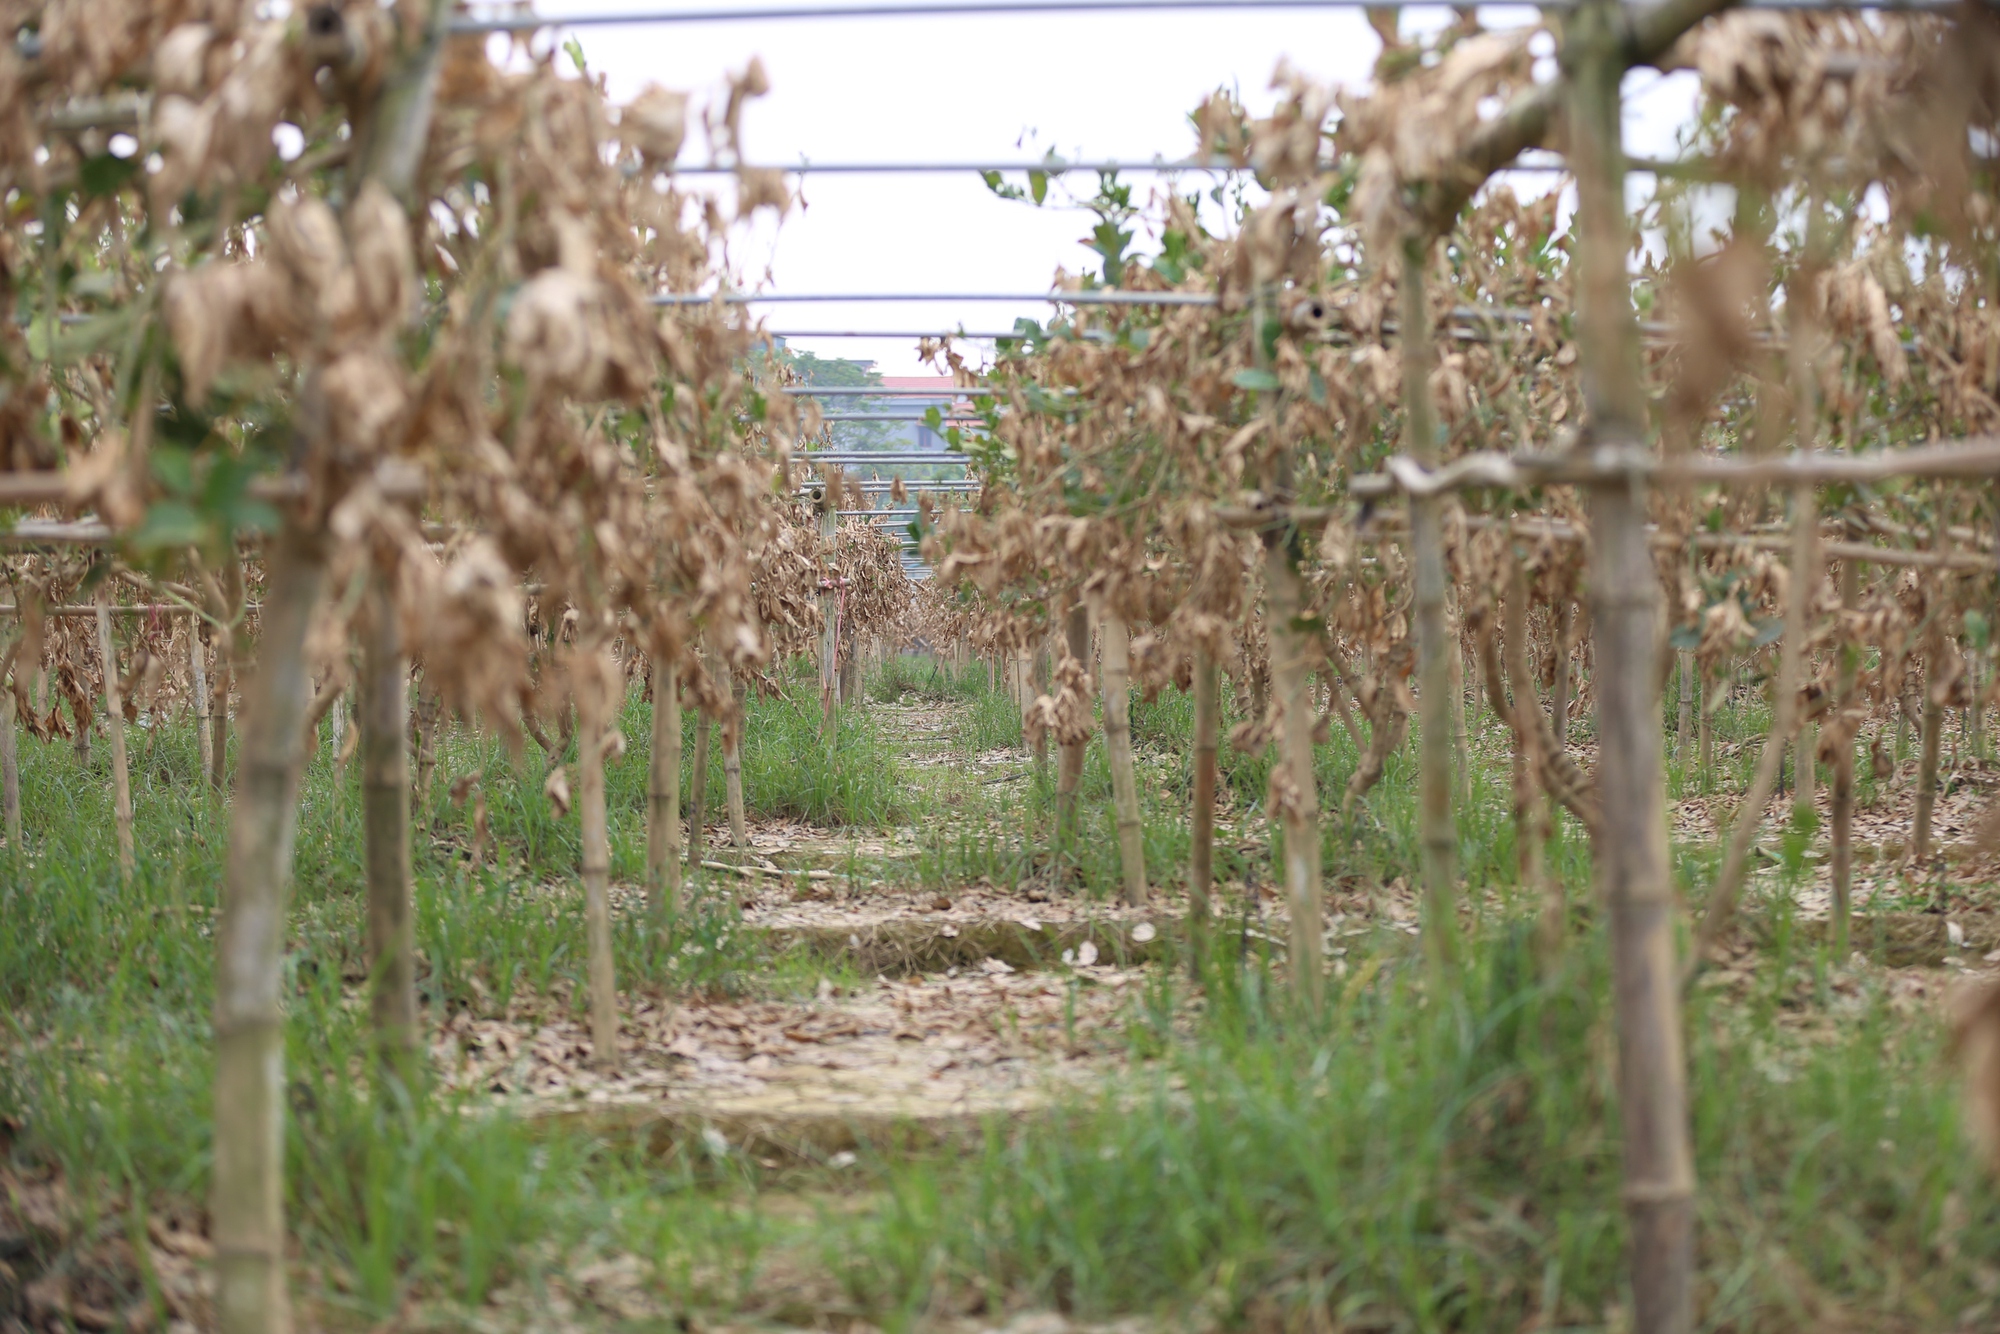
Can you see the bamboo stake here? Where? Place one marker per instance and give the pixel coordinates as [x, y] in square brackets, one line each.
[225, 655]
[850, 668]
[384, 720]
[1805, 772]
[1929, 732]
[1294, 788]
[1802, 349]
[1038, 687]
[732, 771]
[1705, 724]
[1024, 694]
[1559, 694]
[1684, 728]
[1435, 709]
[828, 643]
[10, 768]
[593, 707]
[198, 671]
[1118, 744]
[1069, 769]
[1632, 858]
[1461, 746]
[246, 1202]
[121, 776]
[429, 716]
[1207, 729]
[663, 794]
[1843, 771]
[1531, 811]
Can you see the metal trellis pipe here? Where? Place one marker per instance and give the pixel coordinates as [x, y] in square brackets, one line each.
[916, 458]
[1545, 163]
[1012, 334]
[892, 417]
[1108, 296]
[945, 391]
[472, 24]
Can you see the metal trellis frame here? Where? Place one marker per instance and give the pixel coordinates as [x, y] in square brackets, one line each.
[472, 24]
[1100, 297]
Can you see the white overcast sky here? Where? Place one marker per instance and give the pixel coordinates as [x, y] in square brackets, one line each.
[980, 87]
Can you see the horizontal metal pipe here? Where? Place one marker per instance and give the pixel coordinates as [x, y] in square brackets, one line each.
[1045, 166]
[877, 487]
[116, 609]
[519, 22]
[933, 458]
[1539, 165]
[1104, 297]
[890, 417]
[810, 391]
[469, 24]
[890, 333]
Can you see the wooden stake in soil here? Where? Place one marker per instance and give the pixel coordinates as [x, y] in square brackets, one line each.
[1207, 730]
[663, 794]
[1461, 745]
[10, 768]
[229, 613]
[384, 720]
[1024, 690]
[1706, 726]
[1118, 744]
[198, 671]
[704, 731]
[1684, 726]
[1559, 693]
[1069, 768]
[829, 642]
[246, 1201]
[732, 770]
[1929, 733]
[595, 691]
[1531, 811]
[1294, 792]
[114, 718]
[1435, 832]
[429, 716]
[1632, 858]
[1842, 814]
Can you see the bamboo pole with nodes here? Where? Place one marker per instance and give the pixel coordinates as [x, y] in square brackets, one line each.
[384, 720]
[663, 794]
[1842, 812]
[10, 765]
[247, 1184]
[1118, 745]
[732, 766]
[1069, 767]
[114, 711]
[704, 734]
[595, 682]
[1633, 866]
[198, 677]
[1438, 718]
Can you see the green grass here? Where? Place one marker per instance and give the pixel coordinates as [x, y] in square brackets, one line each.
[1407, 1159]
[1405, 1164]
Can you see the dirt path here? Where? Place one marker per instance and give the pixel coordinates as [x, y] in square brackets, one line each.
[980, 1002]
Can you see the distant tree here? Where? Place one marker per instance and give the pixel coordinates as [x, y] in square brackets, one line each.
[835, 373]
